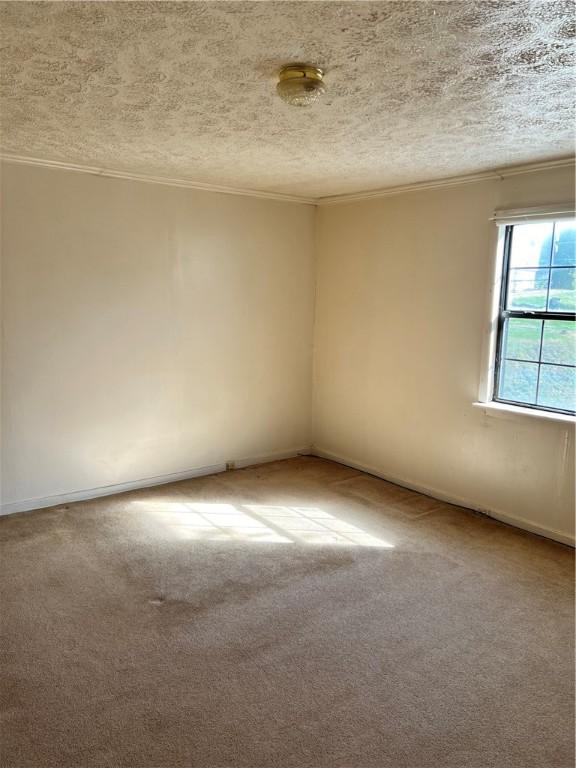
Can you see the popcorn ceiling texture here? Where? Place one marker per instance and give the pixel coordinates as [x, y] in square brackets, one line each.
[415, 90]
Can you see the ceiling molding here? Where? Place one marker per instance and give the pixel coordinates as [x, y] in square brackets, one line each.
[421, 186]
[453, 181]
[167, 181]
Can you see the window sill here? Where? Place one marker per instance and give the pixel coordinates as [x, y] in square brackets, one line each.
[502, 410]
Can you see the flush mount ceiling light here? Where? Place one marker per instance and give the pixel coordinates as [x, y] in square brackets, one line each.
[300, 84]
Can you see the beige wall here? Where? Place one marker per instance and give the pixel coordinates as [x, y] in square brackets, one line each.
[148, 330]
[401, 316]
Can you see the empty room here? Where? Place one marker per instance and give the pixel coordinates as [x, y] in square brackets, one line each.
[288, 384]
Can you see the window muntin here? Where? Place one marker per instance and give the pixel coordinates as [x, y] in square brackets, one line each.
[536, 346]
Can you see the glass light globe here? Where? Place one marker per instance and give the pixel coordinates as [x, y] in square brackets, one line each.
[300, 84]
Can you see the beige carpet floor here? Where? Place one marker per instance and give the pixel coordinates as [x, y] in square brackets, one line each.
[294, 615]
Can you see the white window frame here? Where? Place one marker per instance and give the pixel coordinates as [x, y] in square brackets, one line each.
[485, 400]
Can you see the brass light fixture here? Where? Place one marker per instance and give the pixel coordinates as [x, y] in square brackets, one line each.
[300, 84]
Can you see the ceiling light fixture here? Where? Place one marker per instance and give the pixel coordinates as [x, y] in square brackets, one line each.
[300, 84]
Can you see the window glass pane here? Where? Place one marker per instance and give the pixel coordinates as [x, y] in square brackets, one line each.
[522, 339]
[564, 249]
[559, 342]
[562, 296]
[557, 387]
[531, 245]
[518, 381]
[528, 289]
[537, 355]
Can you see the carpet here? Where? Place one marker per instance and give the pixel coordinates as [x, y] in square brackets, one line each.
[299, 614]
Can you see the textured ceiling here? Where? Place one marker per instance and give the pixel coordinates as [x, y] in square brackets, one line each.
[415, 90]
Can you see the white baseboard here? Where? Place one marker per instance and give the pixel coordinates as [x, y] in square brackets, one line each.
[268, 457]
[503, 517]
[27, 505]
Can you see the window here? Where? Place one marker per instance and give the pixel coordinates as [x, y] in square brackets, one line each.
[535, 363]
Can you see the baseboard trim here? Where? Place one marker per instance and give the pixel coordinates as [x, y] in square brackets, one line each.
[266, 458]
[503, 517]
[28, 505]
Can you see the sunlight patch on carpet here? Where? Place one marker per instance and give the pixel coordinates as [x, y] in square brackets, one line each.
[277, 524]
